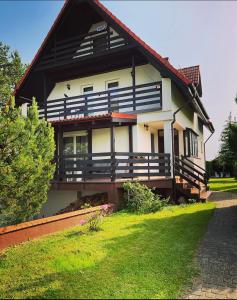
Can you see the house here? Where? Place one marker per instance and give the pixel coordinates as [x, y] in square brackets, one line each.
[120, 110]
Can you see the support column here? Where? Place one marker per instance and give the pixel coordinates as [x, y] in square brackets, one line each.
[112, 150]
[134, 82]
[181, 142]
[45, 96]
[168, 146]
[130, 139]
[60, 161]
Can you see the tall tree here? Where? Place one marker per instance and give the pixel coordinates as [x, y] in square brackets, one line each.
[11, 71]
[26, 167]
[228, 149]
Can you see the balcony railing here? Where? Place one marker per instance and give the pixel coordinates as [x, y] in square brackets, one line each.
[141, 97]
[80, 47]
[112, 166]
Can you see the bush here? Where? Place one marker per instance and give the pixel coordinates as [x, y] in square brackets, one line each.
[139, 198]
[94, 222]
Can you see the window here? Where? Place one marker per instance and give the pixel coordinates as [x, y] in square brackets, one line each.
[112, 85]
[114, 100]
[88, 90]
[190, 143]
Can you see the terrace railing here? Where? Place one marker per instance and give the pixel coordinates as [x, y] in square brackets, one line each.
[80, 47]
[142, 97]
[112, 166]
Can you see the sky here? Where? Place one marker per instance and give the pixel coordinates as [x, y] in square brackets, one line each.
[188, 32]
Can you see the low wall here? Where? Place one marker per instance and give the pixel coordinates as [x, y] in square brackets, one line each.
[15, 234]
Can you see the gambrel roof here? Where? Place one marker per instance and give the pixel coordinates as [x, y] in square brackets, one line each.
[179, 77]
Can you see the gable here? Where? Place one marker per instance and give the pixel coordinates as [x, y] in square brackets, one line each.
[78, 18]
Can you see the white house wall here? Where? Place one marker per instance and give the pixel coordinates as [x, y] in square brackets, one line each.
[144, 74]
[101, 140]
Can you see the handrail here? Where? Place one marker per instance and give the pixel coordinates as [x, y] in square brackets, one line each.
[112, 165]
[184, 157]
[189, 173]
[190, 167]
[147, 96]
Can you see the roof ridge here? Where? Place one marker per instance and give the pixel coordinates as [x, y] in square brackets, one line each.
[142, 43]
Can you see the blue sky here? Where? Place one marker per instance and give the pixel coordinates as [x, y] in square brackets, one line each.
[189, 33]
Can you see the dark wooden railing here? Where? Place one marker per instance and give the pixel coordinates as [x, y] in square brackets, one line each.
[112, 166]
[141, 97]
[80, 47]
[192, 173]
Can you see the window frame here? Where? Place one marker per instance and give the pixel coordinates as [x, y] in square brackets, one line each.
[191, 148]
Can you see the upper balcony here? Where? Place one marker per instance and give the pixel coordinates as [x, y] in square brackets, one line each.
[82, 47]
[132, 99]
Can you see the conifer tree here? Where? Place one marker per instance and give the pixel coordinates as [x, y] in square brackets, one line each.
[11, 71]
[26, 167]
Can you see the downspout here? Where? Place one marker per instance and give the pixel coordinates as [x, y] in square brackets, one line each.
[205, 147]
[173, 154]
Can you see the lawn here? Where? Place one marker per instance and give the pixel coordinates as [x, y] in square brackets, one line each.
[133, 256]
[223, 184]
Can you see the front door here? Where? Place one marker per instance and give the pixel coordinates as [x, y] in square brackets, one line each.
[161, 141]
[75, 145]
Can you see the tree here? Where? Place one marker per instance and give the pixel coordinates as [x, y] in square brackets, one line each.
[11, 71]
[26, 167]
[228, 150]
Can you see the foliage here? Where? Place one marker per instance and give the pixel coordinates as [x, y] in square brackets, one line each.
[192, 200]
[134, 257]
[228, 150]
[94, 222]
[26, 153]
[141, 199]
[11, 71]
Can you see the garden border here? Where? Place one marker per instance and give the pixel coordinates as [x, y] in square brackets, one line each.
[16, 234]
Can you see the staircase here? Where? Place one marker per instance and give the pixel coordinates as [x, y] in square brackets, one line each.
[191, 181]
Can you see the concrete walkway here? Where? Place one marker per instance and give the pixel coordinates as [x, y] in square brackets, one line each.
[217, 256]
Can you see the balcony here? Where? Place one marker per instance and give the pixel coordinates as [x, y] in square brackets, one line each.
[111, 166]
[79, 48]
[139, 98]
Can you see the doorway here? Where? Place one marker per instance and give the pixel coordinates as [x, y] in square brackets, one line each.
[74, 144]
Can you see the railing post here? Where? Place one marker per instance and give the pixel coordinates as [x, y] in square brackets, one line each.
[64, 108]
[148, 165]
[45, 110]
[109, 102]
[86, 107]
[113, 165]
[84, 166]
[108, 36]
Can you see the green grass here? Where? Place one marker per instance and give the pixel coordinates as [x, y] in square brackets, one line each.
[133, 256]
[223, 184]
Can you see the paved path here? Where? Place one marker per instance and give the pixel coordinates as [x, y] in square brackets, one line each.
[217, 256]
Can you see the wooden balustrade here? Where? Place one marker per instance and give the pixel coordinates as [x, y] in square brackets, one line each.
[141, 97]
[112, 166]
